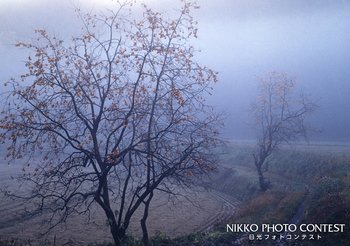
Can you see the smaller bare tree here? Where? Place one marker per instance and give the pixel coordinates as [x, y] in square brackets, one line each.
[279, 113]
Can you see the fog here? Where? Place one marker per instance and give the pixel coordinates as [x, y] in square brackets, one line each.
[241, 39]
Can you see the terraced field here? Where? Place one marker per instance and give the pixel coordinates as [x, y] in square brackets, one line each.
[171, 217]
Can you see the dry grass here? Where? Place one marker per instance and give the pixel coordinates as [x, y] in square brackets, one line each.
[171, 217]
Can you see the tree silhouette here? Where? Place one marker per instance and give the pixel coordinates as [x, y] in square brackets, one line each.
[279, 115]
[111, 115]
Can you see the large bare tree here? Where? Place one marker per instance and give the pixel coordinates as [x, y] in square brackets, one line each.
[111, 115]
[279, 113]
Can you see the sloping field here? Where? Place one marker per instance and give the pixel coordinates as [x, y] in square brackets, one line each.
[172, 217]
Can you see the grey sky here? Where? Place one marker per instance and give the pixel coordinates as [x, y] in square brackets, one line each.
[241, 39]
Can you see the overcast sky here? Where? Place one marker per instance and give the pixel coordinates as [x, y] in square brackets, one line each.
[241, 39]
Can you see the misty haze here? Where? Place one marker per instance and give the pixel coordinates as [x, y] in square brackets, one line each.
[166, 122]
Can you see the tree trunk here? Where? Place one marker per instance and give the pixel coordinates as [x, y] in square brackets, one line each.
[117, 232]
[118, 235]
[262, 182]
[145, 238]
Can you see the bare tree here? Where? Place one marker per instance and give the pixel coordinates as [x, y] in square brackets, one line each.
[279, 114]
[111, 115]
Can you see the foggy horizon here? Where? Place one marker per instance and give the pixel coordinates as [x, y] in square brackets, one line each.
[165, 123]
[242, 40]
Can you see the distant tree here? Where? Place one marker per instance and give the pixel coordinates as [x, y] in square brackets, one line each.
[111, 115]
[279, 114]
